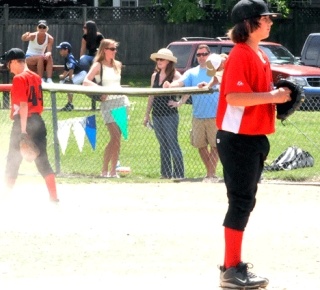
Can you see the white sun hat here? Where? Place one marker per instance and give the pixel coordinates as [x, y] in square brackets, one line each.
[212, 64]
[164, 53]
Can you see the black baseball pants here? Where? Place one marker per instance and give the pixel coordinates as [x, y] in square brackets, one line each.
[242, 158]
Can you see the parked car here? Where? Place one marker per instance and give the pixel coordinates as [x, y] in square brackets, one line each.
[310, 54]
[284, 64]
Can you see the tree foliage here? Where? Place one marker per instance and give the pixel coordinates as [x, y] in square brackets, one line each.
[180, 11]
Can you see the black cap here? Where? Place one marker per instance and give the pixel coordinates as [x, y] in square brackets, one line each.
[65, 45]
[246, 9]
[13, 53]
[42, 22]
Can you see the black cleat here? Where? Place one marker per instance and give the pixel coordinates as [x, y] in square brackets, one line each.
[240, 278]
[54, 200]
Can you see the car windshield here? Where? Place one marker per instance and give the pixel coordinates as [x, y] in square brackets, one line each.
[183, 52]
[278, 54]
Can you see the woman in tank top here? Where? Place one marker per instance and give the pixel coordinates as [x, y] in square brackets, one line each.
[111, 78]
[165, 118]
[89, 44]
[39, 53]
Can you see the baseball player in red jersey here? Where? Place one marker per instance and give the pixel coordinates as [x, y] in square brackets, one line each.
[26, 109]
[246, 114]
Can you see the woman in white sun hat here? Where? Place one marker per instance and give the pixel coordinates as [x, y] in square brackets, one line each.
[165, 119]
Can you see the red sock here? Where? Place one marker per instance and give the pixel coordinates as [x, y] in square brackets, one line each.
[10, 182]
[51, 185]
[233, 243]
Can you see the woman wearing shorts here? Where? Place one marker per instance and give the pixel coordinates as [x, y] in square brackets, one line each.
[111, 78]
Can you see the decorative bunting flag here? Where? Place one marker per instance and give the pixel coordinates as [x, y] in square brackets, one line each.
[64, 133]
[91, 130]
[121, 118]
[80, 126]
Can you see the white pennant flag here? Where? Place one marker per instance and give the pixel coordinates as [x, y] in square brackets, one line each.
[64, 133]
[78, 128]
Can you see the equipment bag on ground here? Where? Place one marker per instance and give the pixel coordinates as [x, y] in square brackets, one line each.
[292, 158]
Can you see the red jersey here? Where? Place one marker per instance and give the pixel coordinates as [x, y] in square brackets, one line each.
[26, 87]
[245, 73]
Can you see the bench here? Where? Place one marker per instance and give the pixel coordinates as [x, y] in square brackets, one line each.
[5, 73]
[56, 68]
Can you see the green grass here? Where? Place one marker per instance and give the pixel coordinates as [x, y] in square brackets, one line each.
[141, 150]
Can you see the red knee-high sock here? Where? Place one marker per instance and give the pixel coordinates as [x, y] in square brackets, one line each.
[51, 185]
[233, 243]
[10, 182]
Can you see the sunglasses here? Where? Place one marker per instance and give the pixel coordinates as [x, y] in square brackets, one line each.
[111, 48]
[42, 27]
[202, 54]
[159, 59]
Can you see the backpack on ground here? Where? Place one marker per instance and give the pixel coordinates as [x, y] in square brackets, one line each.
[292, 158]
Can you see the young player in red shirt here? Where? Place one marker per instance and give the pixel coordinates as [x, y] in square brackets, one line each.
[246, 113]
[26, 109]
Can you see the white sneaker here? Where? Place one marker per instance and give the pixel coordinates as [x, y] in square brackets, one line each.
[211, 179]
[177, 179]
[49, 81]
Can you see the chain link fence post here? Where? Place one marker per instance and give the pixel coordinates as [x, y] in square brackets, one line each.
[55, 132]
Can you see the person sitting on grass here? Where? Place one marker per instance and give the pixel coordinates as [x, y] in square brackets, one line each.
[72, 73]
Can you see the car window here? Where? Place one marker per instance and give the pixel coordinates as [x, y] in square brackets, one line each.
[182, 52]
[213, 48]
[226, 49]
[313, 49]
[278, 54]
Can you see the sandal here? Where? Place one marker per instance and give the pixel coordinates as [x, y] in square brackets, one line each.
[105, 174]
[114, 176]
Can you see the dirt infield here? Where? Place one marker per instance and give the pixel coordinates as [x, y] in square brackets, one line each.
[153, 236]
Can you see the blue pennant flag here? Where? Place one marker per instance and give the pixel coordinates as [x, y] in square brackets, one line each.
[91, 130]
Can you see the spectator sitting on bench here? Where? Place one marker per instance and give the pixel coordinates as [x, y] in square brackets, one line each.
[89, 44]
[38, 55]
[72, 73]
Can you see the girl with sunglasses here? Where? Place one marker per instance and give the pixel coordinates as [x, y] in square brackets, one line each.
[111, 77]
[165, 118]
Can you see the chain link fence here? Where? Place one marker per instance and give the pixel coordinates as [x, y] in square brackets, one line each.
[140, 151]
